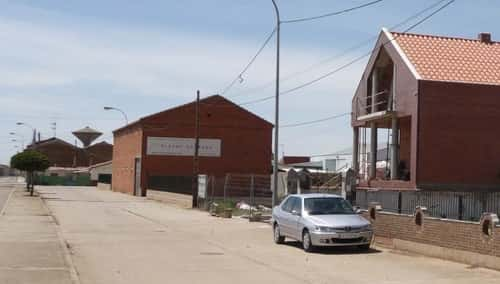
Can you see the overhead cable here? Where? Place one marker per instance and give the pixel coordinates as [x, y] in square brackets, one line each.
[240, 75]
[350, 62]
[315, 121]
[330, 14]
[339, 55]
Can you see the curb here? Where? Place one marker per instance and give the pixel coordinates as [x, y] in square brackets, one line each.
[7, 201]
[64, 245]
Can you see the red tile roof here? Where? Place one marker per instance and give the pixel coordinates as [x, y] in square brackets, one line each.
[452, 59]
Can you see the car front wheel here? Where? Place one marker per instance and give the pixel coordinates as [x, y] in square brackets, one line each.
[278, 238]
[306, 242]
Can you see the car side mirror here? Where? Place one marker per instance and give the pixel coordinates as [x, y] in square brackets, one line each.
[296, 213]
[360, 210]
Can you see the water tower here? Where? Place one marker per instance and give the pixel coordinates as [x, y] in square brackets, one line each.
[87, 135]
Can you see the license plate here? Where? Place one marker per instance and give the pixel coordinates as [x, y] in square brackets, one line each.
[348, 235]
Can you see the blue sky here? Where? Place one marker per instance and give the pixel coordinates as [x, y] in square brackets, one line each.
[63, 61]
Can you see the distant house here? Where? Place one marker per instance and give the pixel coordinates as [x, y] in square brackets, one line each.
[6, 171]
[64, 154]
[438, 99]
[101, 173]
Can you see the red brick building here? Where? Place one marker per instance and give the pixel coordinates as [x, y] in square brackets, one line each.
[64, 154]
[437, 99]
[156, 151]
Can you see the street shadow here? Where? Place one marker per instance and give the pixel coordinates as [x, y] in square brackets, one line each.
[340, 250]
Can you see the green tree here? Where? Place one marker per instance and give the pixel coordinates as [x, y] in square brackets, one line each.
[30, 161]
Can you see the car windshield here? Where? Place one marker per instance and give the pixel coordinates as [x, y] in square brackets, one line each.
[327, 206]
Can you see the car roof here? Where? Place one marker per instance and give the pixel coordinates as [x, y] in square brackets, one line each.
[316, 195]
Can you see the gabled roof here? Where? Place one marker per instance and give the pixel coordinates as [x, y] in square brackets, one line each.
[51, 141]
[214, 100]
[98, 144]
[441, 58]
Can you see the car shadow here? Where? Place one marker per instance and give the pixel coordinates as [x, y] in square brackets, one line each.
[340, 250]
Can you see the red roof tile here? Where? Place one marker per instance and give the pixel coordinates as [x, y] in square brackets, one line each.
[452, 59]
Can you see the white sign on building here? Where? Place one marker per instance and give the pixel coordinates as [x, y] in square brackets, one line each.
[202, 186]
[173, 146]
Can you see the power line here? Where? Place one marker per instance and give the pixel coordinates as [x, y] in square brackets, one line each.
[315, 121]
[330, 154]
[418, 14]
[429, 16]
[341, 54]
[330, 14]
[240, 75]
[350, 62]
[240, 78]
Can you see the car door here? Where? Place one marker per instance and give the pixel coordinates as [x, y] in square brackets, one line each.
[295, 219]
[285, 214]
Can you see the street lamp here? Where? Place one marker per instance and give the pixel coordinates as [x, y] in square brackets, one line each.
[117, 109]
[20, 136]
[277, 107]
[32, 128]
[16, 141]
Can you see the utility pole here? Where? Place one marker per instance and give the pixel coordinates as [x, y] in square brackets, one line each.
[54, 127]
[32, 128]
[277, 108]
[196, 146]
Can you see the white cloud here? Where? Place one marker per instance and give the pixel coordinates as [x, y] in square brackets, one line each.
[48, 68]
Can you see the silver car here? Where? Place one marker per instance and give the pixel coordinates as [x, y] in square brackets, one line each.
[320, 220]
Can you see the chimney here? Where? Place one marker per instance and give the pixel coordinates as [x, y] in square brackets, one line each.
[484, 37]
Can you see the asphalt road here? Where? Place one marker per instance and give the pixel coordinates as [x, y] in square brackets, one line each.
[116, 238]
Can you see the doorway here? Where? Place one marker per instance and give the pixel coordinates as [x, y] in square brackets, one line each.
[137, 179]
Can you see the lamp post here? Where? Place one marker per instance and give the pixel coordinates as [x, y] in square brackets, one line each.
[15, 141]
[119, 110]
[20, 136]
[277, 103]
[32, 128]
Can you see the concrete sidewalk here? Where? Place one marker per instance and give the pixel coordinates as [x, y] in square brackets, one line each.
[30, 248]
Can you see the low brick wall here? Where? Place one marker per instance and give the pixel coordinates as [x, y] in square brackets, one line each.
[449, 239]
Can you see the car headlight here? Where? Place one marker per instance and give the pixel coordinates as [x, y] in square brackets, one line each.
[324, 229]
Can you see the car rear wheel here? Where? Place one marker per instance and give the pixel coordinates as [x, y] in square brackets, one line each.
[278, 238]
[306, 242]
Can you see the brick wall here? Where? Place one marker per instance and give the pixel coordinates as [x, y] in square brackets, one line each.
[246, 139]
[99, 153]
[458, 143]
[128, 146]
[459, 235]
